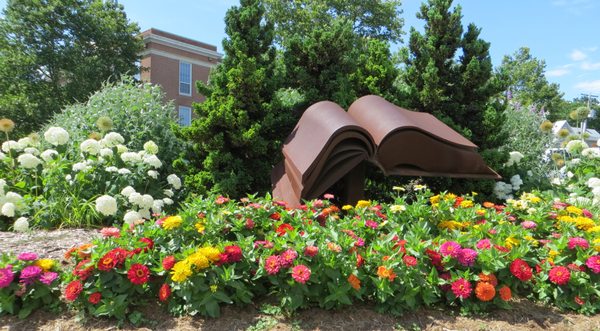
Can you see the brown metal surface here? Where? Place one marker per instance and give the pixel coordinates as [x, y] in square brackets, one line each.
[328, 144]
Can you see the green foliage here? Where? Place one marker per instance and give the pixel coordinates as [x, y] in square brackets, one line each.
[527, 84]
[137, 111]
[237, 135]
[56, 52]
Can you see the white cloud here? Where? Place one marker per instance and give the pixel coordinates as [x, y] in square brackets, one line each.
[576, 7]
[577, 55]
[592, 86]
[590, 65]
[557, 72]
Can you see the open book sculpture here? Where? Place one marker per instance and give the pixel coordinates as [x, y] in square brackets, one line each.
[329, 145]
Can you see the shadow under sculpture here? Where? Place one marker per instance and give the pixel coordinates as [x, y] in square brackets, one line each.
[329, 145]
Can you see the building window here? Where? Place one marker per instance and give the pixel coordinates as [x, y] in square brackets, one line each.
[185, 78]
[185, 115]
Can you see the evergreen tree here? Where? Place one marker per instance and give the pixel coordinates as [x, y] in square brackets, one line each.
[237, 135]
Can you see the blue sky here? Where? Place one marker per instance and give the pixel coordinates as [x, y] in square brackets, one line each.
[564, 33]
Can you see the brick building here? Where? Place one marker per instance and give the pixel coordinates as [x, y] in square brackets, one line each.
[175, 63]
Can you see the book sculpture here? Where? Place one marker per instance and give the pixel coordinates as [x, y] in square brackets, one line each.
[329, 145]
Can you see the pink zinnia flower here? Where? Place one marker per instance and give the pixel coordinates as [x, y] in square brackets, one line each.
[593, 262]
[249, 224]
[587, 213]
[221, 200]
[30, 273]
[409, 260]
[288, 257]
[528, 224]
[272, 264]
[328, 196]
[301, 273]
[371, 224]
[484, 244]
[578, 242]
[311, 251]
[461, 288]
[492, 231]
[27, 256]
[110, 232]
[451, 248]
[559, 275]
[467, 257]
[6, 277]
[360, 242]
[48, 277]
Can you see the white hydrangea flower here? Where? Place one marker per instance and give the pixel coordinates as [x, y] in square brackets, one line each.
[503, 190]
[153, 173]
[112, 139]
[122, 149]
[31, 150]
[151, 147]
[515, 158]
[596, 192]
[135, 198]
[11, 145]
[21, 224]
[26, 142]
[131, 216]
[576, 146]
[124, 171]
[90, 146]
[81, 166]
[106, 152]
[106, 205]
[127, 191]
[3, 156]
[153, 161]
[28, 161]
[56, 136]
[147, 201]
[68, 178]
[157, 206]
[48, 155]
[591, 153]
[167, 201]
[516, 182]
[2, 186]
[593, 182]
[168, 193]
[8, 209]
[174, 181]
[131, 157]
[144, 213]
[13, 198]
[111, 169]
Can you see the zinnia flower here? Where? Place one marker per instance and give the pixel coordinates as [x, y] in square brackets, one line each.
[182, 270]
[371, 224]
[461, 288]
[138, 274]
[578, 242]
[528, 225]
[485, 291]
[559, 275]
[491, 278]
[287, 258]
[45, 264]
[484, 244]
[311, 251]
[172, 222]
[94, 298]
[301, 273]
[283, 229]
[6, 277]
[467, 257]
[168, 262]
[72, 290]
[110, 232]
[27, 256]
[164, 292]
[272, 264]
[354, 282]
[386, 273]
[451, 248]
[505, 293]
[410, 261]
[593, 262]
[231, 254]
[30, 273]
[521, 270]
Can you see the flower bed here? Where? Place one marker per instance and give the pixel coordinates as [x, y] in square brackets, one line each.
[400, 256]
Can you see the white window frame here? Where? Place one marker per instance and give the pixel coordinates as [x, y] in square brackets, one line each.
[180, 118]
[183, 82]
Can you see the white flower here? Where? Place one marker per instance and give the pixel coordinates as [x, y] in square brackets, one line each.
[150, 147]
[111, 169]
[596, 192]
[21, 224]
[11, 145]
[135, 198]
[48, 155]
[576, 146]
[591, 183]
[106, 152]
[90, 146]
[28, 161]
[168, 193]
[3, 156]
[516, 182]
[68, 178]
[25, 142]
[112, 139]
[56, 136]
[157, 206]
[127, 191]
[570, 174]
[2, 186]
[174, 181]
[515, 158]
[32, 150]
[13, 198]
[529, 173]
[8, 209]
[147, 201]
[153, 173]
[131, 216]
[124, 171]
[81, 166]
[106, 205]
[591, 153]
[145, 213]
[167, 201]
[121, 149]
[503, 190]
[153, 161]
[131, 157]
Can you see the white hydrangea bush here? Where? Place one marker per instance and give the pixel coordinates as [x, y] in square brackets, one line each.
[95, 181]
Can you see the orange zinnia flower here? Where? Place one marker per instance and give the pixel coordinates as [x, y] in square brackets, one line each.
[505, 293]
[485, 291]
[354, 282]
[491, 278]
[384, 272]
[488, 204]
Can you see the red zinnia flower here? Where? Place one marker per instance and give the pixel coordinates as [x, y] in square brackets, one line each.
[521, 270]
[164, 292]
[505, 293]
[435, 257]
[311, 251]
[72, 290]
[578, 300]
[82, 270]
[107, 262]
[231, 254]
[249, 224]
[149, 243]
[461, 288]
[138, 274]
[275, 216]
[95, 297]
[283, 229]
[410, 261]
[301, 273]
[559, 275]
[359, 260]
[272, 264]
[168, 262]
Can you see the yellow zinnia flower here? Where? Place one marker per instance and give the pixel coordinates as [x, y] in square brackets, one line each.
[211, 253]
[346, 207]
[199, 260]
[172, 222]
[200, 227]
[363, 203]
[182, 270]
[510, 242]
[574, 210]
[466, 204]
[45, 264]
